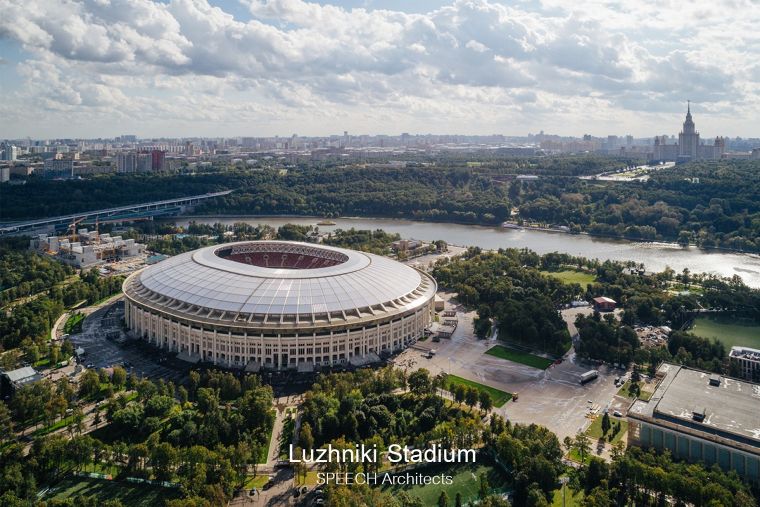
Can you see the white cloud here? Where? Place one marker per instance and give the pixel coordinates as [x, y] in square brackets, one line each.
[471, 66]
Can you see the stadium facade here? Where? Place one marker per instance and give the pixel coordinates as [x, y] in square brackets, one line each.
[279, 305]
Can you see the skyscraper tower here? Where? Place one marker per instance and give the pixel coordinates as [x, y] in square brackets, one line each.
[688, 139]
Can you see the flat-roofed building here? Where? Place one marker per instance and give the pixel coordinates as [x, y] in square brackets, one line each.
[11, 381]
[703, 417]
[745, 363]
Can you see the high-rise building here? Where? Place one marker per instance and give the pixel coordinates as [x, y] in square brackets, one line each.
[5, 174]
[10, 152]
[688, 139]
[689, 146]
[158, 160]
[144, 162]
[126, 162]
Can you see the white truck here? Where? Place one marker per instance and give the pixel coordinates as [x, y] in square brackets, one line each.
[589, 376]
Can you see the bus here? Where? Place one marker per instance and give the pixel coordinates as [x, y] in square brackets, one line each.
[589, 376]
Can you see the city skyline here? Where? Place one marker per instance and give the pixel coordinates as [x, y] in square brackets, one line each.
[198, 68]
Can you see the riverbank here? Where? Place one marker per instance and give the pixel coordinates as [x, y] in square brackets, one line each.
[655, 256]
[512, 226]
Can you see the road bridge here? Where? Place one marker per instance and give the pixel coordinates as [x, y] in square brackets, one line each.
[140, 211]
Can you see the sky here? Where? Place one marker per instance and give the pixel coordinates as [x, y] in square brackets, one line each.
[213, 68]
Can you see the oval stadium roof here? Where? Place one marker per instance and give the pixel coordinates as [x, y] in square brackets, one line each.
[277, 278]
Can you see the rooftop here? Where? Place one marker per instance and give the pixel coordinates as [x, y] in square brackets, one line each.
[745, 352]
[21, 374]
[275, 281]
[731, 408]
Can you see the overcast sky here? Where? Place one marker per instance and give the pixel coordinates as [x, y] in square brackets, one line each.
[89, 68]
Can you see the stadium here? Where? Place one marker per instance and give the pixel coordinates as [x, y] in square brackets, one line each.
[279, 305]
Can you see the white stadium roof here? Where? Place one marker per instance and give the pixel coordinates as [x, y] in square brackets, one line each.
[207, 281]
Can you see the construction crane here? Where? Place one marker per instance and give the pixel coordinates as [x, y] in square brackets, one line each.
[72, 230]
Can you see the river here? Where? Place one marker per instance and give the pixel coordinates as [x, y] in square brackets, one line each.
[655, 256]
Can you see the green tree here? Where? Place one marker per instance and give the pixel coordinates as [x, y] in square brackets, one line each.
[162, 459]
[606, 425]
[460, 393]
[484, 489]
[119, 377]
[6, 423]
[582, 445]
[89, 384]
[471, 397]
[443, 500]
[305, 437]
[419, 382]
[486, 402]
[182, 395]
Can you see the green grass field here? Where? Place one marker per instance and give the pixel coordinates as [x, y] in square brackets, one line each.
[498, 396]
[466, 479]
[257, 482]
[595, 430]
[728, 331]
[73, 324]
[644, 395]
[519, 357]
[570, 276]
[572, 498]
[134, 495]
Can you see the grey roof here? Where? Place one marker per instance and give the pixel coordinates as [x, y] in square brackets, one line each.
[202, 279]
[732, 409]
[21, 374]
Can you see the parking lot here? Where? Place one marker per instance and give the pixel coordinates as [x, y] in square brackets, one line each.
[553, 397]
[105, 345]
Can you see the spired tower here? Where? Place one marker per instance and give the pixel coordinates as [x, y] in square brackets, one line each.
[688, 139]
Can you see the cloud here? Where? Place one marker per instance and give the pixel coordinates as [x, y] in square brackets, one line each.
[472, 59]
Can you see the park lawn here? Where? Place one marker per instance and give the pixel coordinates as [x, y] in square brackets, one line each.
[466, 481]
[257, 481]
[42, 363]
[730, 332]
[45, 430]
[572, 498]
[574, 455]
[570, 276]
[498, 396]
[134, 495]
[516, 356]
[264, 452]
[643, 395]
[594, 431]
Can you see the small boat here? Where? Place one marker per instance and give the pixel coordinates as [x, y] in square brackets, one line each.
[509, 225]
[326, 222]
